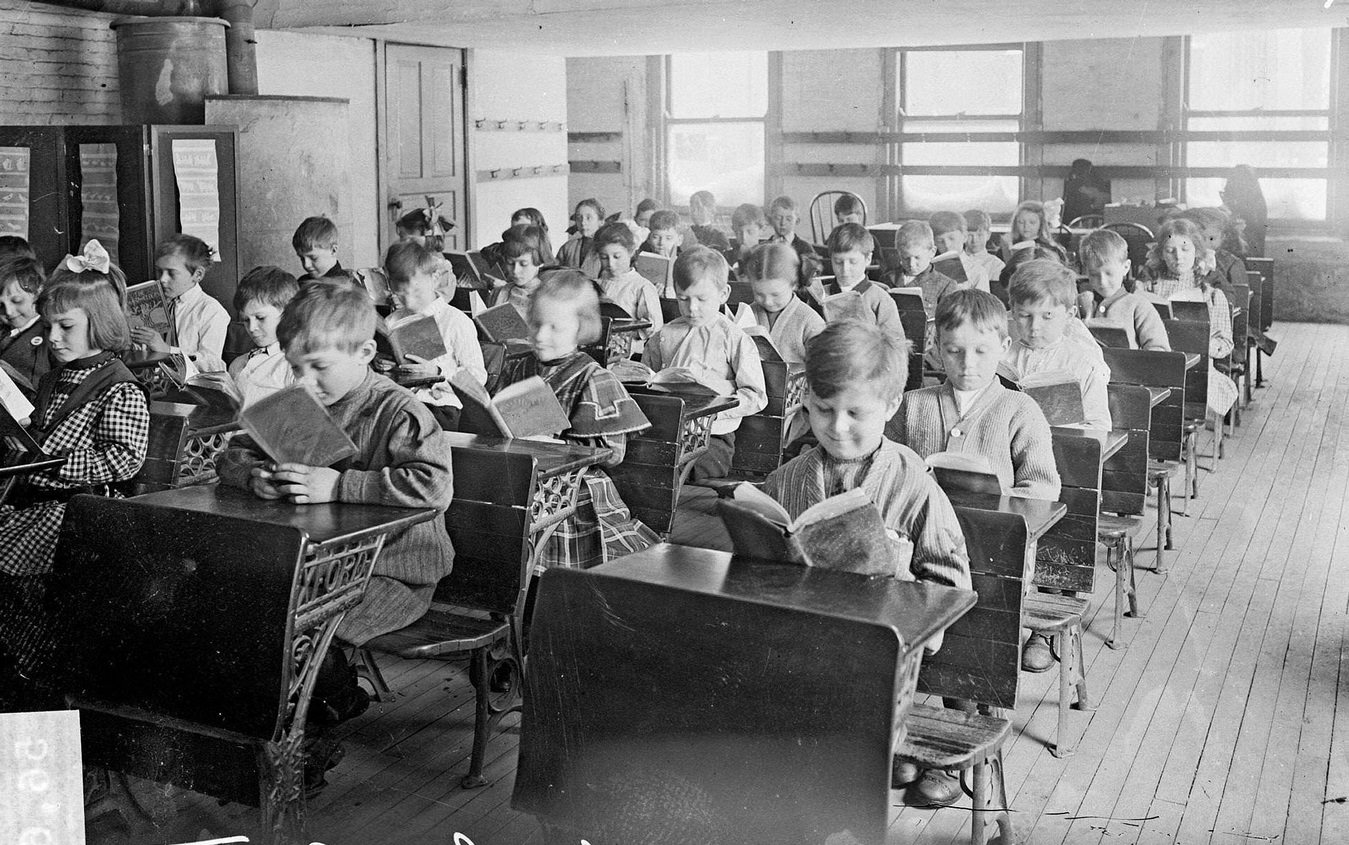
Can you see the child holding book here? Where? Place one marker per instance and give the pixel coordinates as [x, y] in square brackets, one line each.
[412, 276]
[1030, 223]
[774, 274]
[200, 322]
[664, 238]
[615, 245]
[783, 217]
[580, 252]
[972, 412]
[948, 228]
[749, 224]
[402, 459]
[917, 247]
[1104, 256]
[522, 256]
[563, 315]
[1043, 296]
[260, 298]
[23, 332]
[850, 247]
[713, 350]
[90, 411]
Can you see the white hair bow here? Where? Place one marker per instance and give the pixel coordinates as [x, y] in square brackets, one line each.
[93, 257]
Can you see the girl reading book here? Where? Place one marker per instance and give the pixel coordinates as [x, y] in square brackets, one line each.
[563, 314]
[89, 411]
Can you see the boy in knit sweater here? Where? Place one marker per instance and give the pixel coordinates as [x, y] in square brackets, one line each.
[1104, 256]
[973, 412]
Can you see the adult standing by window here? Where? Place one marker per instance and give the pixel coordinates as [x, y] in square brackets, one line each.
[1243, 197]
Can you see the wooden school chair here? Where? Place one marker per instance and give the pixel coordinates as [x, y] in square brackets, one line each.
[200, 635]
[1238, 366]
[1159, 371]
[1192, 337]
[1264, 318]
[1065, 560]
[1124, 493]
[760, 438]
[980, 663]
[821, 213]
[179, 452]
[657, 461]
[478, 609]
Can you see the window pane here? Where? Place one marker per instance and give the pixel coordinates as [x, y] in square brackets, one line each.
[719, 85]
[1288, 199]
[1277, 69]
[962, 82]
[1256, 153]
[1258, 122]
[724, 158]
[973, 153]
[926, 194]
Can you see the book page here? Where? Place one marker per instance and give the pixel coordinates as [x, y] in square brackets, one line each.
[417, 334]
[751, 497]
[292, 426]
[13, 399]
[529, 407]
[146, 306]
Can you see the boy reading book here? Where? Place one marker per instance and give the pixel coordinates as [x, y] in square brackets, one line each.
[978, 228]
[411, 269]
[850, 247]
[773, 271]
[522, 254]
[972, 412]
[402, 459]
[200, 323]
[1043, 297]
[716, 352]
[749, 224]
[260, 298]
[1104, 256]
[948, 228]
[783, 217]
[917, 247]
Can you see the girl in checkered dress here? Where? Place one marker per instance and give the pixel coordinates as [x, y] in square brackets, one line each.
[91, 412]
[563, 312]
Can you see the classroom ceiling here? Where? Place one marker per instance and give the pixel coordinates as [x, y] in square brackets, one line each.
[638, 27]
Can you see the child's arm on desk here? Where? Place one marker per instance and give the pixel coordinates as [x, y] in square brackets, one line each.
[419, 471]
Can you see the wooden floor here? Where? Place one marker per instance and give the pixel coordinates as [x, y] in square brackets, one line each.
[1218, 723]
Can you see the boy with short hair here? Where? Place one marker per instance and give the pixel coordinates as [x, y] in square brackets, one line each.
[703, 212]
[948, 229]
[783, 217]
[972, 412]
[849, 209]
[315, 243]
[855, 374]
[850, 247]
[748, 223]
[1043, 296]
[978, 228]
[262, 295]
[1104, 256]
[402, 459]
[917, 248]
[664, 238]
[714, 351]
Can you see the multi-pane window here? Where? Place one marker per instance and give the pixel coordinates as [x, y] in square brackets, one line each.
[715, 126]
[1265, 96]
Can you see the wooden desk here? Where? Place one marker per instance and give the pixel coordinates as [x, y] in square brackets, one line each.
[621, 334]
[142, 359]
[695, 425]
[1040, 514]
[1111, 441]
[412, 382]
[1192, 360]
[715, 716]
[1158, 395]
[154, 370]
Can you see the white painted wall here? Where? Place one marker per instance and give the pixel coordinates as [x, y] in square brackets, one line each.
[299, 64]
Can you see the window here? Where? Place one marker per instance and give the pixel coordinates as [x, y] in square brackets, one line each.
[950, 93]
[715, 126]
[1263, 99]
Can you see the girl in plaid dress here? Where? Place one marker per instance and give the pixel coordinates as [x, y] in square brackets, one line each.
[89, 411]
[563, 312]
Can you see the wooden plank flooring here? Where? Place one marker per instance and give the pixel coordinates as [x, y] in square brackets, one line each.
[1218, 723]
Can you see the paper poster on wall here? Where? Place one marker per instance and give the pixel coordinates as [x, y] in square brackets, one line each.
[196, 170]
[14, 191]
[98, 197]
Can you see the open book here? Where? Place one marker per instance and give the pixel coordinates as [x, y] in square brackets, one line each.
[292, 426]
[11, 397]
[473, 270]
[146, 306]
[502, 323]
[680, 380]
[949, 264]
[1057, 392]
[526, 408]
[217, 398]
[415, 334]
[964, 471]
[14, 438]
[909, 299]
[846, 305]
[656, 269]
[844, 532]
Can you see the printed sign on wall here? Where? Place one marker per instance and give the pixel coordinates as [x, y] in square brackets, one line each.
[14, 191]
[197, 172]
[98, 195]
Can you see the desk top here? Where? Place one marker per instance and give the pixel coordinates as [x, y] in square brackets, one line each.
[1040, 514]
[696, 401]
[916, 611]
[140, 359]
[1111, 441]
[323, 523]
[551, 458]
[1158, 395]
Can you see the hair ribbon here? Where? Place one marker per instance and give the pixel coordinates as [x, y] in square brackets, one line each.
[92, 257]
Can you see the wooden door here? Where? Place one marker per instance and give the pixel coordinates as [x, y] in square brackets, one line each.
[424, 150]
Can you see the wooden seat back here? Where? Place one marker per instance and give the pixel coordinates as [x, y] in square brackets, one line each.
[1066, 555]
[980, 659]
[758, 440]
[648, 479]
[741, 293]
[1124, 478]
[489, 524]
[1192, 336]
[1239, 300]
[913, 317]
[494, 361]
[1155, 369]
[1265, 267]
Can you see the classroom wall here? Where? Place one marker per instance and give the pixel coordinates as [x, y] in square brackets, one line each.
[301, 64]
[517, 89]
[609, 145]
[57, 66]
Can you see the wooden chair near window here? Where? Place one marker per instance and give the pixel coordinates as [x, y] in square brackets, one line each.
[821, 213]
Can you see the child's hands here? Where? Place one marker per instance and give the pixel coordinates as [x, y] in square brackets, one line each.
[306, 485]
[262, 484]
[149, 338]
[418, 366]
